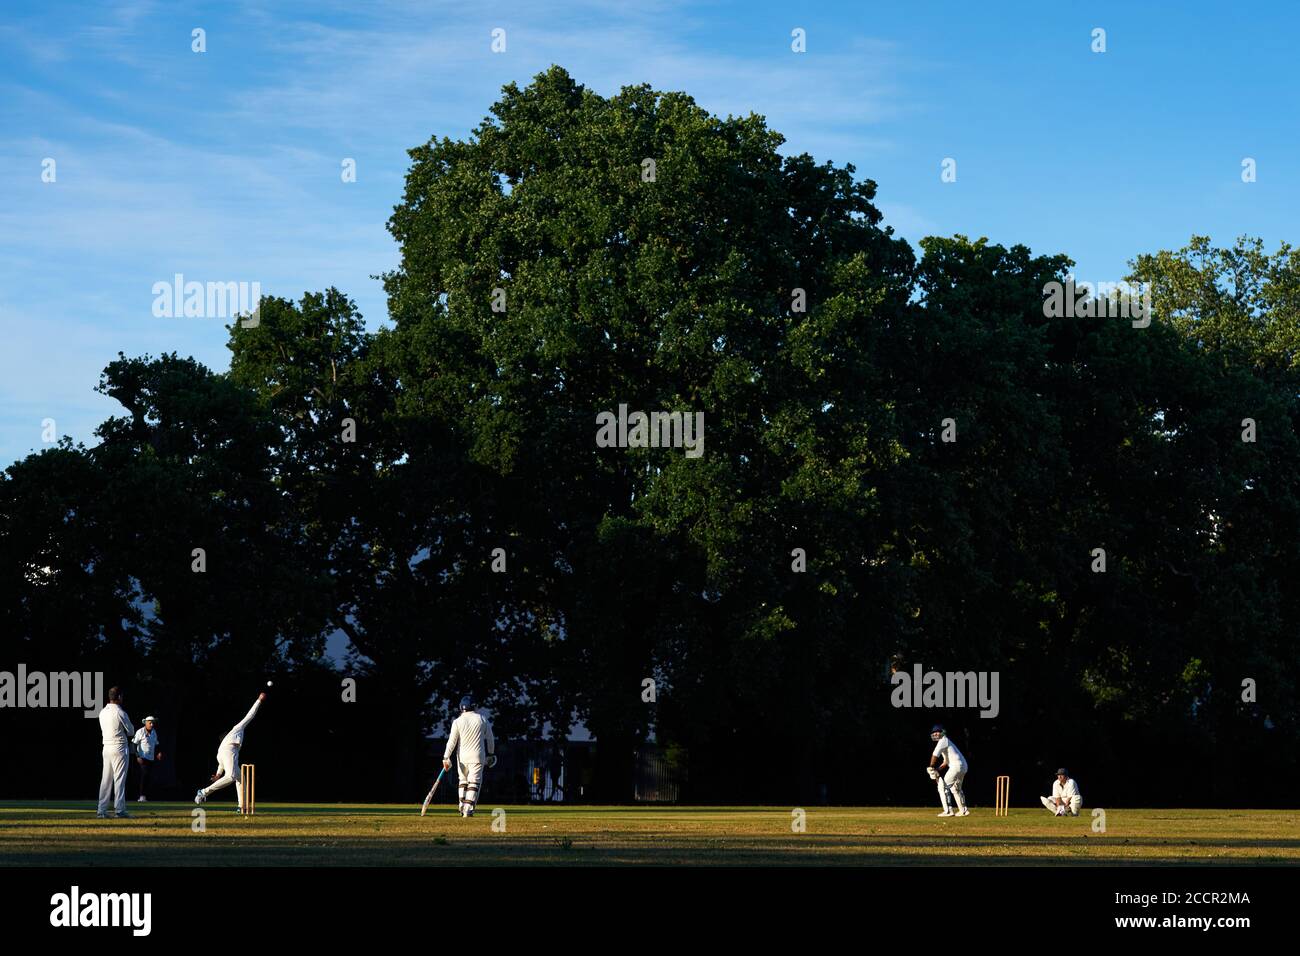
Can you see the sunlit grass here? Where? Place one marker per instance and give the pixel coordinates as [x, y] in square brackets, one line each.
[68, 834]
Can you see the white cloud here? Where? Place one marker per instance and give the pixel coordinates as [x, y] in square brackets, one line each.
[227, 168]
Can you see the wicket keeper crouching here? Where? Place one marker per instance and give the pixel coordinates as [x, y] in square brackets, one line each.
[1065, 797]
[471, 735]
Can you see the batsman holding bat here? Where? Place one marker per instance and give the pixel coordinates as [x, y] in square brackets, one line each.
[471, 739]
[950, 773]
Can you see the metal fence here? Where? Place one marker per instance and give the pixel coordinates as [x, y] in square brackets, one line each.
[654, 781]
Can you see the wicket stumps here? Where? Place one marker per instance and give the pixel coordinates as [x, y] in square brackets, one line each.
[1003, 800]
[248, 788]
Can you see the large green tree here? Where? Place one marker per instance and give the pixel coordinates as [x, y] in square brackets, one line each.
[581, 252]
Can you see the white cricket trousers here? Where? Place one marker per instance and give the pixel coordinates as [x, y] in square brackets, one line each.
[951, 781]
[112, 782]
[1075, 805]
[471, 779]
[228, 760]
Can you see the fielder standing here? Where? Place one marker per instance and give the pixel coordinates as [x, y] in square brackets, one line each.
[146, 752]
[955, 765]
[116, 731]
[471, 736]
[228, 760]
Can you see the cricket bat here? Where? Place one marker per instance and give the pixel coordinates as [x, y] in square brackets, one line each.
[432, 790]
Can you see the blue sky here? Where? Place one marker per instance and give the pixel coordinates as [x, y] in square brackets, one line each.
[225, 165]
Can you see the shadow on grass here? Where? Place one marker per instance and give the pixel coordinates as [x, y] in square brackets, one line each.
[443, 847]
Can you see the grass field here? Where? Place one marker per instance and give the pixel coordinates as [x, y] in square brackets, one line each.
[67, 834]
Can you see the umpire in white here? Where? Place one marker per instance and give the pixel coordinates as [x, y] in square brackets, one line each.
[116, 731]
[146, 752]
[471, 738]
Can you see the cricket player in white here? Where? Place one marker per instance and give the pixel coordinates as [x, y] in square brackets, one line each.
[1065, 797]
[471, 735]
[956, 772]
[228, 760]
[116, 732]
[146, 752]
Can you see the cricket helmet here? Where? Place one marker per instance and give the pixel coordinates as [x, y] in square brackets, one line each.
[1061, 772]
[936, 732]
[466, 703]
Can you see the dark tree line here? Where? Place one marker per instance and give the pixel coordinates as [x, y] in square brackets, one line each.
[340, 480]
